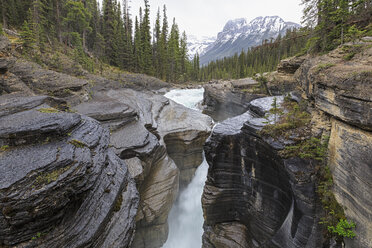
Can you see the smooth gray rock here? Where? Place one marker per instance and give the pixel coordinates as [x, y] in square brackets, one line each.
[162, 142]
[223, 100]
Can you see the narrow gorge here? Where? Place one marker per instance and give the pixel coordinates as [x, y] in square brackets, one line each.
[87, 161]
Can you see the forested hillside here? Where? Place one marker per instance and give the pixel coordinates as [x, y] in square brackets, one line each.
[107, 32]
[328, 23]
[258, 59]
[110, 34]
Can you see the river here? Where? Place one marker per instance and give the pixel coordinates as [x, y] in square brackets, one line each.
[186, 217]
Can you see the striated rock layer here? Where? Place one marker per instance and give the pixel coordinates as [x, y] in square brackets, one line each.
[253, 197]
[343, 90]
[227, 99]
[61, 185]
[161, 141]
[244, 204]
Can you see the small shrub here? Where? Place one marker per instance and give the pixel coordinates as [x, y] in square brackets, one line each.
[291, 117]
[350, 51]
[37, 236]
[354, 33]
[343, 229]
[312, 148]
[4, 148]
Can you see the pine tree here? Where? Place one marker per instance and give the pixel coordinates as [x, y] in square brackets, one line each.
[3, 13]
[183, 56]
[146, 41]
[156, 45]
[77, 20]
[174, 53]
[28, 36]
[108, 31]
[163, 47]
[128, 49]
[137, 47]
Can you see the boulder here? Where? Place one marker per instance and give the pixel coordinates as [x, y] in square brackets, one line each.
[63, 185]
[290, 65]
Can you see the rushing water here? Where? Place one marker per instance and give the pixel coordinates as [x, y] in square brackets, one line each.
[189, 97]
[186, 217]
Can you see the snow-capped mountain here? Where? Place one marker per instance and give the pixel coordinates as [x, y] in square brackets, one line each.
[240, 34]
[198, 45]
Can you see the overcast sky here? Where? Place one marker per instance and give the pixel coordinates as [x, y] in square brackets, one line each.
[207, 17]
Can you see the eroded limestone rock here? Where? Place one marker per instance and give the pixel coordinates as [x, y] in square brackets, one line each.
[253, 197]
[351, 164]
[62, 185]
[161, 141]
[227, 99]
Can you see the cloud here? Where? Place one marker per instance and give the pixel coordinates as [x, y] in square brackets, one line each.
[207, 17]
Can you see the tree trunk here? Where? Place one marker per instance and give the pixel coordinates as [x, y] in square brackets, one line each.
[5, 24]
[84, 31]
[58, 14]
[36, 21]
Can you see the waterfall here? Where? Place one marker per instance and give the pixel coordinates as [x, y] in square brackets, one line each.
[186, 217]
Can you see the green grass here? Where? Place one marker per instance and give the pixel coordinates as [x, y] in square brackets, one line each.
[49, 177]
[350, 51]
[77, 143]
[4, 148]
[48, 110]
[325, 66]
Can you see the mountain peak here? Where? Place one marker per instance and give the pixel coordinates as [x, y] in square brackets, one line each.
[240, 33]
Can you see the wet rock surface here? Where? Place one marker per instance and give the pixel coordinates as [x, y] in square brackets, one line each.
[337, 88]
[227, 99]
[64, 187]
[253, 194]
[161, 141]
[142, 129]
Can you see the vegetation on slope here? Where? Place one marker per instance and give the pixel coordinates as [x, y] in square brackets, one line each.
[99, 36]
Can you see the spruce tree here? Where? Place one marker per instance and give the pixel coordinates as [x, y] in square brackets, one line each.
[183, 56]
[108, 30]
[137, 47]
[128, 46]
[156, 45]
[163, 47]
[173, 53]
[146, 41]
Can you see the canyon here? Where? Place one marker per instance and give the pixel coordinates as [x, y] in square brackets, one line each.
[91, 162]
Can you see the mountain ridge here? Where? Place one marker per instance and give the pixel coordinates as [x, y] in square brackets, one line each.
[240, 34]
